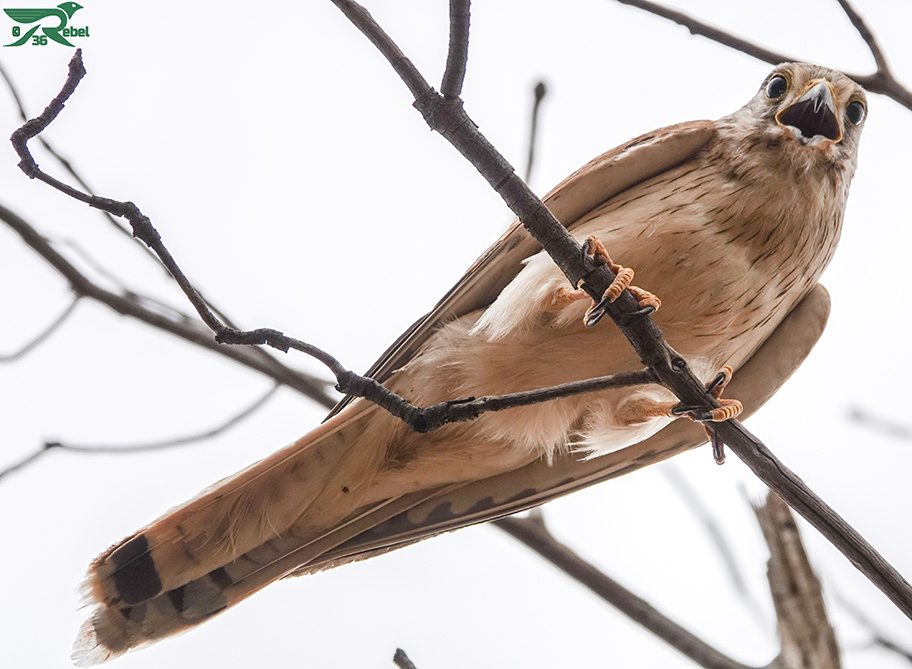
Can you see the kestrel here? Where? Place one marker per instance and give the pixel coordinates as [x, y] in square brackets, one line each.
[730, 222]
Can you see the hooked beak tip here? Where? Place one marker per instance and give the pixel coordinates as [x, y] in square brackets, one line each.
[813, 114]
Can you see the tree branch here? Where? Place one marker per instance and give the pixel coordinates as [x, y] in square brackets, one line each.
[536, 536]
[882, 81]
[458, 52]
[161, 445]
[39, 338]
[807, 637]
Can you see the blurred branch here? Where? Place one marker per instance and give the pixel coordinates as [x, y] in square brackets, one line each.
[448, 117]
[869, 420]
[173, 442]
[539, 93]
[878, 638]
[882, 81]
[706, 518]
[805, 633]
[402, 660]
[536, 536]
[39, 338]
[190, 331]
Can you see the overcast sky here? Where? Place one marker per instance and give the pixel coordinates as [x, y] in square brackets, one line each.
[265, 141]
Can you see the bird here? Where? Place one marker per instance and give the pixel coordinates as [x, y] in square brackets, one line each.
[726, 224]
[62, 12]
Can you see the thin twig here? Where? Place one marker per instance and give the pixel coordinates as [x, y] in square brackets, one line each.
[64, 162]
[879, 639]
[70, 168]
[450, 119]
[160, 445]
[458, 51]
[880, 60]
[24, 462]
[539, 94]
[882, 81]
[39, 338]
[536, 536]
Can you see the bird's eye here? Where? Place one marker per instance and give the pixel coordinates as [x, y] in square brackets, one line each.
[776, 87]
[856, 112]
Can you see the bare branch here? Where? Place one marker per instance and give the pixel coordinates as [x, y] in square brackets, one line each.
[38, 339]
[24, 462]
[536, 536]
[458, 53]
[807, 637]
[706, 518]
[878, 637]
[161, 445]
[867, 419]
[64, 162]
[882, 81]
[539, 94]
[865, 32]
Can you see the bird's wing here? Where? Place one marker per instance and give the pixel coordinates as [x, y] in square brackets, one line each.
[581, 192]
[421, 515]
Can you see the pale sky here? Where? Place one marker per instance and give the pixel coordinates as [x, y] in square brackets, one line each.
[264, 143]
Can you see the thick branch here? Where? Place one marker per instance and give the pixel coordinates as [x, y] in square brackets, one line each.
[536, 536]
[449, 119]
[807, 637]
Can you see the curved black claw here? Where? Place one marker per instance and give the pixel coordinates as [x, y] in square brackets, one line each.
[713, 385]
[718, 448]
[697, 413]
[596, 312]
[584, 252]
[645, 311]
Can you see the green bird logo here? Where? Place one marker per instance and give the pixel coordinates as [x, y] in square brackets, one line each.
[62, 12]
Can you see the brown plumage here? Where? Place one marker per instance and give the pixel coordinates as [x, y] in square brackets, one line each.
[730, 222]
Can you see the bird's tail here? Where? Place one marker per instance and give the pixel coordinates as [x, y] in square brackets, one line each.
[236, 537]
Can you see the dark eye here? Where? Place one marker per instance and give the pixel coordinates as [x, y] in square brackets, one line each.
[776, 87]
[856, 112]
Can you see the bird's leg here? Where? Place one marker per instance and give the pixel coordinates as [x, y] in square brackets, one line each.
[623, 276]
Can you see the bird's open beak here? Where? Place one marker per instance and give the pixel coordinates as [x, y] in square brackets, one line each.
[813, 114]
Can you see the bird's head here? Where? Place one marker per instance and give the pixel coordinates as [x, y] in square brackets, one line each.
[806, 115]
[69, 8]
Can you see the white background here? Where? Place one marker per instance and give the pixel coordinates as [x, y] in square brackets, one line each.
[279, 157]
